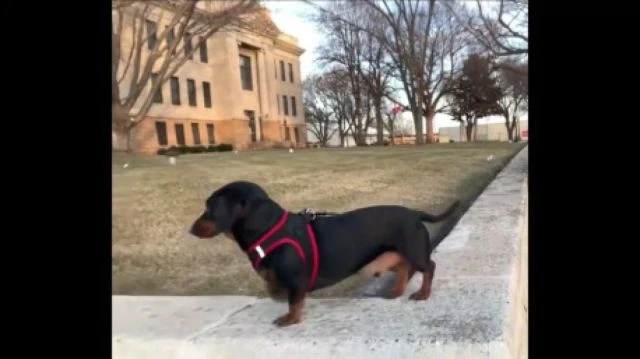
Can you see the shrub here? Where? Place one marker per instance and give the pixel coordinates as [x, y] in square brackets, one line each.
[198, 149]
[225, 147]
[175, 151]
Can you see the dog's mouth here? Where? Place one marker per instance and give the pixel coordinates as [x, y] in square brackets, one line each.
[203, 228]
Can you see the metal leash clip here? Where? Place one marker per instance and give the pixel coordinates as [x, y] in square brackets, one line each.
[309, 213]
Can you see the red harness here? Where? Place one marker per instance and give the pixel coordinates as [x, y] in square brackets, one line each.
[262, 253]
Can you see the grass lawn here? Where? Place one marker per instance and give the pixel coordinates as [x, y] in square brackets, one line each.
[154, 204]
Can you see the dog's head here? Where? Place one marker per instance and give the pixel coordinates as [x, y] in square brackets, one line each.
[225, 206]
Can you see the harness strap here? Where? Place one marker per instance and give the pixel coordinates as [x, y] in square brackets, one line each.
[262, 253]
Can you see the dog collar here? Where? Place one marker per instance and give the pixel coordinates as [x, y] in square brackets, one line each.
[263, 246]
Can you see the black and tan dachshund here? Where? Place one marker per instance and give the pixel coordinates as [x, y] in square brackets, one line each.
[297, 253]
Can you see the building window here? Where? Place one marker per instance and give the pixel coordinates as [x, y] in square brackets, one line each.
[206, 90]
[245, 73]
[180, 134]
[157, 96]
[296, 135]
[282, 74]
[251, 116]
[290, 72]
[175, 91]
[195, 131]
[188, 46]
[171, 37]
[161, 132]
[211, 134]
[294, 110]
[275, 69]
[191, 90]
[203, 50]
[151, 34]
[285, 105]
[287, 136]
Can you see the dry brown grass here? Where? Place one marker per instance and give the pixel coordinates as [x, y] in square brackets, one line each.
[154, 203]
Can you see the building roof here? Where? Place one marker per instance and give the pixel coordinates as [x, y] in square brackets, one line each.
[262, 23]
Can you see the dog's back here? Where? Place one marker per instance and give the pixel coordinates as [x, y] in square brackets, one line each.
[353, 239]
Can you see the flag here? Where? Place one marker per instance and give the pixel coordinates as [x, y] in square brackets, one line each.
[397, 109]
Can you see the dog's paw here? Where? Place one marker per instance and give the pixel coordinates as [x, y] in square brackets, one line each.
[286, 320]
[419, 295]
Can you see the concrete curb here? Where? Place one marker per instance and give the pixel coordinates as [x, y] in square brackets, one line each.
[477, 307]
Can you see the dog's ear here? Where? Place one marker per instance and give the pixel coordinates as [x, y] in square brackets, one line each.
[228, 213]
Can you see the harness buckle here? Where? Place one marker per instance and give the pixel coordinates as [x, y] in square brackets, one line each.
[309, 214]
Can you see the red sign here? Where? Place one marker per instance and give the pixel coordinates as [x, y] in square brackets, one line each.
[524, 133]
[396, 109]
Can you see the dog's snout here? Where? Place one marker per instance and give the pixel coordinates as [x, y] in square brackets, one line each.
[203, 228]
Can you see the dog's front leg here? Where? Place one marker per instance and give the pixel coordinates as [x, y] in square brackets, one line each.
[290, 271]
[296, 302]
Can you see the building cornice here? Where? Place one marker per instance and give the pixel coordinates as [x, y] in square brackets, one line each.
[288, 47]
[262, 25]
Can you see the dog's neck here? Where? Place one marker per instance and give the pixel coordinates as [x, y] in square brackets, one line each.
[247, 230]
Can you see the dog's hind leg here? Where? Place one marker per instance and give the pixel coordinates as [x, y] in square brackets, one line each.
[427, 279]
[419, 258]
[387, 261]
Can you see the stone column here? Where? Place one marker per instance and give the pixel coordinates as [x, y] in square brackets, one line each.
[231, 78]
[261, 68]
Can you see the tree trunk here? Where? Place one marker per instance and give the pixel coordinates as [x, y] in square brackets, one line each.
[430, 116]
[469, 130]
[417, 121]
[475, 129]
[510, 127]
[377, 107]
[120, 125]
[341, 131]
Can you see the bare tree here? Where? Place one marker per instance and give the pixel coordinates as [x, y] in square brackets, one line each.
[337, 87]
[319, 110]
[445, 50]
[424, 42]
[376, 69]
[145, 55]
[333, 98]
[501, 31]
[343, 51]
[406, 37]
[515, 90]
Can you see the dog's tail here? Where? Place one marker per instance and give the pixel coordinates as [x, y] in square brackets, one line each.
[443, 231]
[438, 217]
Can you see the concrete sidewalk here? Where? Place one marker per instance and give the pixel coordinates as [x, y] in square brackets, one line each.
[477, 307]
